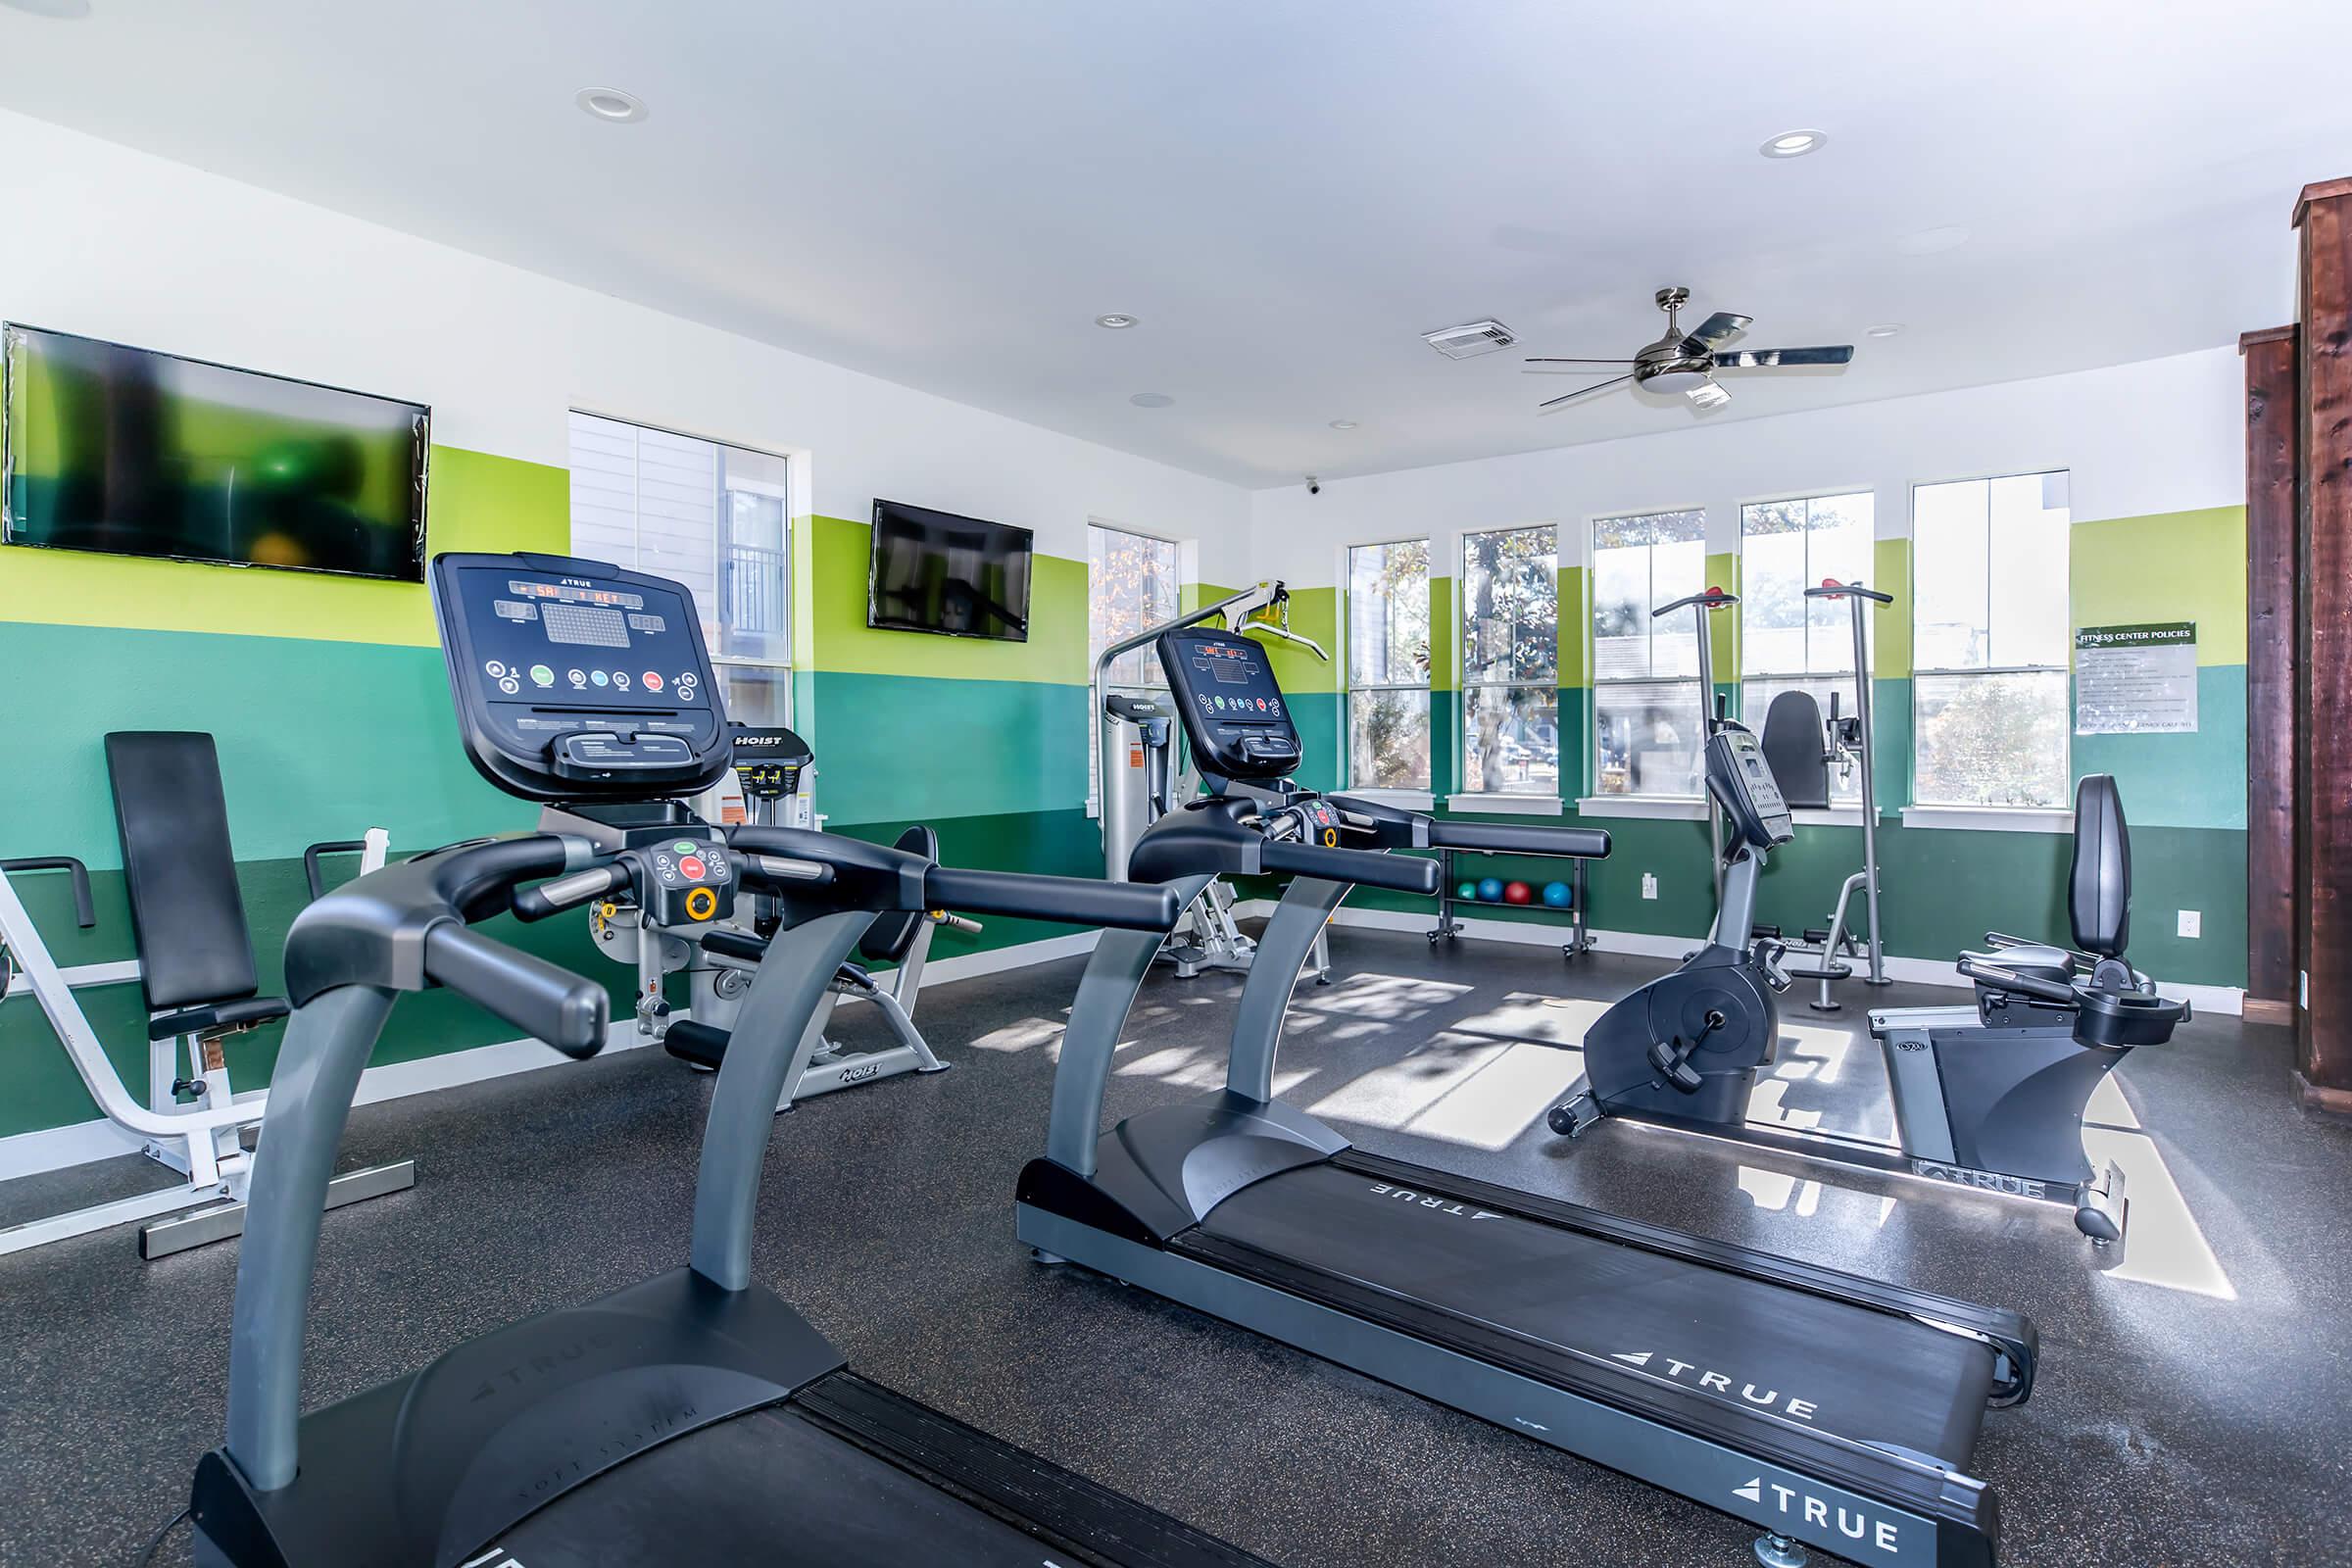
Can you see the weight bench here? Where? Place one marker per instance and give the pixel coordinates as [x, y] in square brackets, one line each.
[196, 971]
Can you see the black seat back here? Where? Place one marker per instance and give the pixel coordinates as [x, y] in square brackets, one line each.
[1794, 750]
[889, 937]
[179, 869]
[2099, 889]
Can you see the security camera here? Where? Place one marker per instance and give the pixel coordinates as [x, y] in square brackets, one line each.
[1314, 486]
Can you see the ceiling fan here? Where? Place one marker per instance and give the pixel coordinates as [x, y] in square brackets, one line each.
[1687, 362]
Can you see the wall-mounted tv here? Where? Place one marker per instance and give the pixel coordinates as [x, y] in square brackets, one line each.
[129, 452]
[935, 572]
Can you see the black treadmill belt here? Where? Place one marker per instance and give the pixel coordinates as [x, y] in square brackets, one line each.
[848, 1472]
[1749, 1344]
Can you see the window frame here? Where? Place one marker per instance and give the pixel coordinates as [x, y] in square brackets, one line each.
[1094, 780]
[780, 490]
[1839, 810]
[1425, 791]
[1594, 802]
[2053, 818]
[1500, 800]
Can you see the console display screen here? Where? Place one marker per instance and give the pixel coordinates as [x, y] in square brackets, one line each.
[557, 643]
[1233, 713]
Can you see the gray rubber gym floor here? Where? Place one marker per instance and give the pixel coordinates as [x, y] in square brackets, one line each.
[2192, 1407]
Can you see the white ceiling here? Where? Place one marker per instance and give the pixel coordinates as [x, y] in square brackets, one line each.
[1287, 192]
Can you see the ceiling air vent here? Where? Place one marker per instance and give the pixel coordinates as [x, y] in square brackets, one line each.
[1469, 342]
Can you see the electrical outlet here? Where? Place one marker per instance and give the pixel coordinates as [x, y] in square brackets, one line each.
[2192, 923]
[1650, 884]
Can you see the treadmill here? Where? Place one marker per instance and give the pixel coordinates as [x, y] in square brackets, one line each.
[693, 1417]
[1825, 1407]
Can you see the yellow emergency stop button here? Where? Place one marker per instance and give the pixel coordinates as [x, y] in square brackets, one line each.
[702, 904]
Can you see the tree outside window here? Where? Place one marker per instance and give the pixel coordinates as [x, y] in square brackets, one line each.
[1510, 661]
[1648, 703]
[1387, 665]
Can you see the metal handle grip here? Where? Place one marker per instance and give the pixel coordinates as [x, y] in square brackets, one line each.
[1575, 843]
[1845, 589]
[545, 1002]
[784, 872]
[312, 856]
[2011, 980]
[568, 892]
[1710, 599]
[1370, 868]
[85, 913]
[1074, 901]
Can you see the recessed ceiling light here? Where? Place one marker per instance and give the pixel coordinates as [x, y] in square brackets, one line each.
[1151, 400]
[1343, 424]
[1115, 321]
[1931, 241]
[610, 104]
[1795, 143]
[1885, 329]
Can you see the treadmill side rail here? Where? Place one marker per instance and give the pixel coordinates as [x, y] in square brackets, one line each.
[1887, 1509]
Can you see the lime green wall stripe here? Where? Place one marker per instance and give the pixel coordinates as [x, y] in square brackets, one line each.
[1576, 626]
[1315, 614]
[1193, 595]
[1444, 638]
[839, 638]
[318, 739]
[1723, 571]
[477, 502]
[2176, 566]
[1890, 624]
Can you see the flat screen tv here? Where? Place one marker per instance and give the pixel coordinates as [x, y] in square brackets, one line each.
[935, 572]
[128, 452]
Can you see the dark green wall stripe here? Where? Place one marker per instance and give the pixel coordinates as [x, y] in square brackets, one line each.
[900, 747]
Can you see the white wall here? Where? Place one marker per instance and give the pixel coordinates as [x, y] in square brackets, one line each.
[2163, 435]
[118, 244]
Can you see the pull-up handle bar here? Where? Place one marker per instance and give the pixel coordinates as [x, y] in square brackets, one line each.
[1831, 588]
[1712, 599]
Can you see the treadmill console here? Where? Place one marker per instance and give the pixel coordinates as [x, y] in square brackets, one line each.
[1233, 713]
[1742, 781]
[578, 680]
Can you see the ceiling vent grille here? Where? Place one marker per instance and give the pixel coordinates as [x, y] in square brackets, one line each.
[1469, 342]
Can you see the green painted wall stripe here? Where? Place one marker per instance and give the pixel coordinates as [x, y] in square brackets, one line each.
[1576, 627]
[2195, 780]
[476, 502]
[1444, 637]
[2176, 566]
[318, 739]
[1890, 624]
[1723, 571]
[899, 748]
[40, 1089]
[1315, 614]
[839, 639]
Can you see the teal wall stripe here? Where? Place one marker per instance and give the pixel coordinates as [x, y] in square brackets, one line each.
[902, 748]
[318, 740]
[2193, 780]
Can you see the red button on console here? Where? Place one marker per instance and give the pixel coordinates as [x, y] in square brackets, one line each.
[691, 868]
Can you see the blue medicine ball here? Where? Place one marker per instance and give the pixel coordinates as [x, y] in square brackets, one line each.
[1489, 891]
[1555, 894]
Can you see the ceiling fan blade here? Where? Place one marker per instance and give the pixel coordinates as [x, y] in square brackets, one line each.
[1767, 359]
[1709, 396]
[1597, 386]
[1555, 359]
[1714, 329]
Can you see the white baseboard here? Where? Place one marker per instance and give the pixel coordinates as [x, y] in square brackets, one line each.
[57, 1147]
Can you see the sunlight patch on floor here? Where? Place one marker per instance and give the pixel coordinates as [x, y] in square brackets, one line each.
[1764, 1105]
[1393, 999]
[2163, 1243]
[1026, 1035]
[2107, 1107]
[1813, 1053]
[1776, 1191]
[1477, 1095]
[1526, 1015]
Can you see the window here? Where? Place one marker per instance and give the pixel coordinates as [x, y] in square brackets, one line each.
[1131, 586]
[708, 516]
[1510, 661]
[1990, 624]
[1649, 704]
[1786, 641]
[1387, 665]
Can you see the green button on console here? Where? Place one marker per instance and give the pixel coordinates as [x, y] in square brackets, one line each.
[684, 847]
